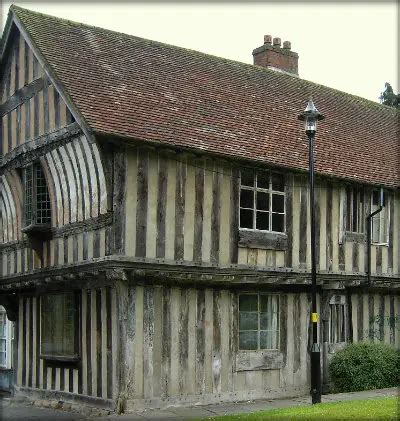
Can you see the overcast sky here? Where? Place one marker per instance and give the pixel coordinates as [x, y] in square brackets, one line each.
[350, 47]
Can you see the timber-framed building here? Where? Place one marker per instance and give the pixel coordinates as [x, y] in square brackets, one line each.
[154, 213]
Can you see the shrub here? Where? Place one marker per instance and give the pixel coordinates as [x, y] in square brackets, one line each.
[365, 366]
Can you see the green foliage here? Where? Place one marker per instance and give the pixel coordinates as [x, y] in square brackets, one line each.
[388, 97]
[365, 366]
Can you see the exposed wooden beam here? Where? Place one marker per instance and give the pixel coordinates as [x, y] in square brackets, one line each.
[32, 150]
[23, 94]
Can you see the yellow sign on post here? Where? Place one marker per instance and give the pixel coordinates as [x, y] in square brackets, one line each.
[314, 317]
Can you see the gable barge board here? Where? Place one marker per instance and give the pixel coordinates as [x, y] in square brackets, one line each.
[53, 78]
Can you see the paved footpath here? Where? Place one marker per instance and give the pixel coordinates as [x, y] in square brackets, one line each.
[16, 411]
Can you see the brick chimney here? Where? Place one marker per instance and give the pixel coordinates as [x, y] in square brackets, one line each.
[272, 56]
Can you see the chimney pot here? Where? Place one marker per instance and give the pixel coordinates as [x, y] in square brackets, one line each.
[277, 42]
[267, 39]
[276, 58]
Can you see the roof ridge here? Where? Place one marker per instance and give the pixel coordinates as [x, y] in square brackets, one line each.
[249, 66]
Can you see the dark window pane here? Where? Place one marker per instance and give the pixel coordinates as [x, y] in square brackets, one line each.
[262, 201]
[278, 182]
[247, 178]
[269, 340]
[348, 205]
[248, 321]
[265, 321]
[277, 222]
[262, 222]
[248, 340]
[247, 198]
[248, 302]
[265, 303]
[355, 211]
[375, 197]
[263, 179]
[246, 218]
[58, 314]
[278, 203]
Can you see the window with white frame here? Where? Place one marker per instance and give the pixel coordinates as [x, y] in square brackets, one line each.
[262, 201]
[3, 338]
[6, 340]
[258, 321]
[337, 320]
[380, 222]
[354, 210]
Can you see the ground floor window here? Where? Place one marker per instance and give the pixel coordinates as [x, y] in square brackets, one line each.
[337, 320]
[59, 326]
[6, 339]
[258, 321]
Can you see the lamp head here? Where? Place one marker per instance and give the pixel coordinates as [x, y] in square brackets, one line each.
[310, 116]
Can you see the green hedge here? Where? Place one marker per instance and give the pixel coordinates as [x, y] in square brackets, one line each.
[365, 366]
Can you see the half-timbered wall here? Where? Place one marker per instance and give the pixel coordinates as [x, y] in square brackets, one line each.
[96, 373]
[31, 106]
[182, 345]
[181, 208]
[77, 191]
[376, 317]
[31, 109]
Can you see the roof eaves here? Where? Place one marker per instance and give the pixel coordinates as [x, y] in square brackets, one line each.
[87, 130]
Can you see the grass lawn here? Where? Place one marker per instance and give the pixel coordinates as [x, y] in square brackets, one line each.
[368, 409]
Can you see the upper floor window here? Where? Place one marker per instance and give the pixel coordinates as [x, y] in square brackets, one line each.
[262, 201]
[258, 321]
[354, 210]
[380, 222]
[37, 209]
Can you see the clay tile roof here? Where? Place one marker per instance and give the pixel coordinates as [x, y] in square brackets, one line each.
[132, 87]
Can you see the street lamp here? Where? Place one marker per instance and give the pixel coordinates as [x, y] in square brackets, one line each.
[310, 116]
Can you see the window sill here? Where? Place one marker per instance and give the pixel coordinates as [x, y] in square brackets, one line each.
[355, 237]
[60, 358]
[262, 240]
[259, 360]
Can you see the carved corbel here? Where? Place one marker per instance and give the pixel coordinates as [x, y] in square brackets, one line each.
[116, 274]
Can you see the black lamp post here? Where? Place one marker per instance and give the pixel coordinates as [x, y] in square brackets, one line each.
[310, 117]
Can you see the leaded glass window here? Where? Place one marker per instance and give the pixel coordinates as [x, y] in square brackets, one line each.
[37, 209]
[262, 201]
[258, 321]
